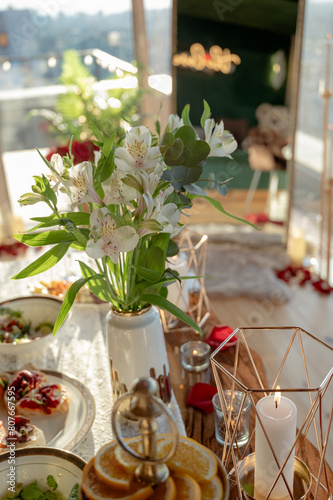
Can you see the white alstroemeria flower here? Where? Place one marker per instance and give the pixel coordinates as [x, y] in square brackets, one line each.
[174, 122]
[97, 156]
[55, 177]
[116, 192]
[167, 215]
[137, 155]
[107, 239]
[149, 180]
[79, 186]
[221, 143]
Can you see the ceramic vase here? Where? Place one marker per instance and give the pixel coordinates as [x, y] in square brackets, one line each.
[137, 349]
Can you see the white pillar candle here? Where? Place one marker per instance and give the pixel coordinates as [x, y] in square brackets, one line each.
[278, 416]
[178, 294]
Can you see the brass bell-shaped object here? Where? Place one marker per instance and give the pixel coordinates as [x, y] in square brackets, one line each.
[144, 406]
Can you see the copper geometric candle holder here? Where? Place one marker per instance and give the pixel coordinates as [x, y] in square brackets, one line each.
[194, 247]
[301, 365]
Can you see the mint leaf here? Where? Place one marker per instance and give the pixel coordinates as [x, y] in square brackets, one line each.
[51, 482]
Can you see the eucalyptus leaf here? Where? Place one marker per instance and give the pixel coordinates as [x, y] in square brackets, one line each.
[175, 151]
[44, 262]
[199, 152]
[187, 135]
[194, 189]
[222, 189]
[187, 175]
[182, 159]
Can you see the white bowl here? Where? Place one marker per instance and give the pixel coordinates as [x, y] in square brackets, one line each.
[36, 309]
[33, 464]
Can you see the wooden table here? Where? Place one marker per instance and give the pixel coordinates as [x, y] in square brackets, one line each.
[200, 425]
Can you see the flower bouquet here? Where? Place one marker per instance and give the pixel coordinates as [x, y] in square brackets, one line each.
[124, 209]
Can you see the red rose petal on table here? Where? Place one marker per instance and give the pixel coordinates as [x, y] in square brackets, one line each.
[322, 287]
[219, 334]
[201, 396]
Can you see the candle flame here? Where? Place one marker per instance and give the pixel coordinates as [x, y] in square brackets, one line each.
[277, 397]
[195, 352]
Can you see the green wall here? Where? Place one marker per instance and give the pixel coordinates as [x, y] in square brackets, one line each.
[236, 95]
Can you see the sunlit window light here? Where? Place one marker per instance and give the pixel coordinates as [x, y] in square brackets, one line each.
[52, 62]
[6, 65]
[88, 60]
[114, 103]
[162, 83]
[128, 82]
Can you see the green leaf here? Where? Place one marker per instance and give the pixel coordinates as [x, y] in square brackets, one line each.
[216, 204]
[162, 303]
[173, 249]
[74, 494]
[194, 189]
[47, 162]
[182, 159]
[199, 152]
[31, 492]
[157, 252]
[206, 114]
[97, 133]
[51, 482]
[68, 301]
[98, 286]
[45, 238]
[78, 218]
[167, 140]
[187, 135]
[44, 262]
[186, 176]
[175, 151]
[186, 115]
[148, 274]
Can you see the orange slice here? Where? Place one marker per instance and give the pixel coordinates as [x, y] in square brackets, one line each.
[191, 458]
[95, 489]
[212, 490]
[125, 459]
[165, 491]
[108, 469]
[186, 487]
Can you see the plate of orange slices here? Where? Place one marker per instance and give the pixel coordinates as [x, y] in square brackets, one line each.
[195, 473]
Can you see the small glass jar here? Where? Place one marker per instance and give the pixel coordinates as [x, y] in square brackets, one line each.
[195, 356]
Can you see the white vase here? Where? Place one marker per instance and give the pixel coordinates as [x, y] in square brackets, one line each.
[137, 349]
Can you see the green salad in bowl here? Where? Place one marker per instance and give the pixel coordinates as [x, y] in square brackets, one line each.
[14, 328]
[33, 491]
[26, 323]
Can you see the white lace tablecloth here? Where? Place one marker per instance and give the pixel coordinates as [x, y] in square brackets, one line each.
[78, 350]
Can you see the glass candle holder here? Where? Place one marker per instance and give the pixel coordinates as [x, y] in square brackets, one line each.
[195, 356]
[222, 415]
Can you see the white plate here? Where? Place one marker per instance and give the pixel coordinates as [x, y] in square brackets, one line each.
[35, 464]
[64, 430]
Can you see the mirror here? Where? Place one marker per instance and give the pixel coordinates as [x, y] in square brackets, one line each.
[239, 56]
